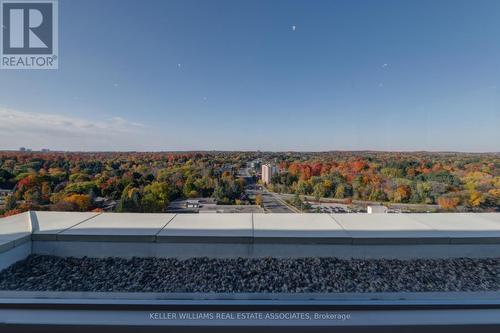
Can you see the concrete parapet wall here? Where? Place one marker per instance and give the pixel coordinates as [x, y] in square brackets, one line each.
[251, 235]
[236, 250]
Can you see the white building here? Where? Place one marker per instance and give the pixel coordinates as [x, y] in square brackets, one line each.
[268, 171]
[192, 204]
[376, 209]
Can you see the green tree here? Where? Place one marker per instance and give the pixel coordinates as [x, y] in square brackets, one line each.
[155, 197]
[319, 191]
[340, 191]
[130, 200]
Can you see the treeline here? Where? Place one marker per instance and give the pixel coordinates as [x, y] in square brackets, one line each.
[148, 182]
[448, 179]
[135, 182]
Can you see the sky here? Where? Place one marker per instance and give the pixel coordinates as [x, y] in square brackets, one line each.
[263, 75]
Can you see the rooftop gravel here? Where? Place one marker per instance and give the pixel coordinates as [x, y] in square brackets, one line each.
[50, 273]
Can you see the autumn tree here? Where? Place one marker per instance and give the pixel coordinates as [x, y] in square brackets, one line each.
[448, 203]
[75, 202]
[402, 193]
[258, 200]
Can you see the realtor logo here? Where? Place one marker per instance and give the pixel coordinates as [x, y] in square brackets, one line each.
[29, 38]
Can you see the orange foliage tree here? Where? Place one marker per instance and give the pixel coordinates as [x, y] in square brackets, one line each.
[448, 203]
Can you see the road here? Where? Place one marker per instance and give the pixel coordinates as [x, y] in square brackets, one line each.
[271, 203]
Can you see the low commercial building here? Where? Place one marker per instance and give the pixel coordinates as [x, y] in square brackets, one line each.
[268, 171]
[209, 205]
[106, 204]
[192, 204]
[376, 209]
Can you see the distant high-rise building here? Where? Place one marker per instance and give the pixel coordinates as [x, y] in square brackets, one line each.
[267, 173]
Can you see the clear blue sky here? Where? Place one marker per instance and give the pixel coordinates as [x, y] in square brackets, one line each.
[237, 75]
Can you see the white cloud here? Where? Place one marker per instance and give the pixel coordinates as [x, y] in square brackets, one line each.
[42, 130]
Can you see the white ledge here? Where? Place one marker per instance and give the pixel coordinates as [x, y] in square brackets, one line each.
[254, 235]
[443, 228]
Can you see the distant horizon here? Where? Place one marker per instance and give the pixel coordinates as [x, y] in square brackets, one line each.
[244, 151]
